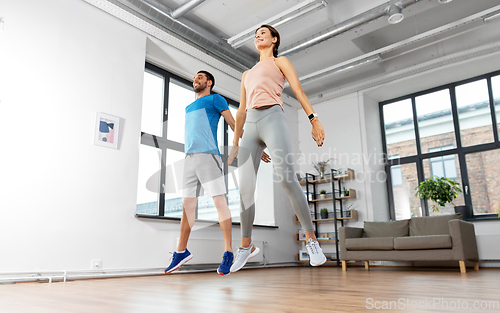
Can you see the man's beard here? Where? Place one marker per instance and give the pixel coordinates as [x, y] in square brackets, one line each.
[200, 87]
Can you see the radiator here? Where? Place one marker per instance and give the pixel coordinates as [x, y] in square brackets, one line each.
[209, 251]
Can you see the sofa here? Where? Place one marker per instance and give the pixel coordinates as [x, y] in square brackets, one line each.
[435, 238]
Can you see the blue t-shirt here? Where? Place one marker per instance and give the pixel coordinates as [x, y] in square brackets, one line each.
[202, 119]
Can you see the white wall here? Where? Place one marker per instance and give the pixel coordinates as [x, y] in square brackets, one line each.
[352, 126]
[63, 200]
[341, 120]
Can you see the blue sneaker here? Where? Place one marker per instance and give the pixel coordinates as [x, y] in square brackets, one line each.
[225, 266]
[177, 260]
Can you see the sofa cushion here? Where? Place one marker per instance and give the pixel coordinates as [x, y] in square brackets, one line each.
[423, 242]
[380, 243]
[386, 229]
[432, 225]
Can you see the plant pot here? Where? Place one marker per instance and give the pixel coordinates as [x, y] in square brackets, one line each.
[324, 215]
[465, 210]
[322, 196]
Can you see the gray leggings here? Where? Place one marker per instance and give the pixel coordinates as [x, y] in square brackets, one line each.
[267, 127]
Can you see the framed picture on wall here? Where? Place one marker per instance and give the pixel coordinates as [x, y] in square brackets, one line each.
[303, 255]
[107, 129]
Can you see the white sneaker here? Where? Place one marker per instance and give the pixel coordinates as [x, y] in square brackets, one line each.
[242, 257]
[316, 256]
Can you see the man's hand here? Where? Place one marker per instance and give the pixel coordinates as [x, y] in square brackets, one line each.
[265, 157]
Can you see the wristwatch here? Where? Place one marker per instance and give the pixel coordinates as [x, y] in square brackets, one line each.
[312, 116]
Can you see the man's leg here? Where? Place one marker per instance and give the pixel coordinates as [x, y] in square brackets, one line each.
[182, 255]
[191, 188]
[187, 221]
[225, 221]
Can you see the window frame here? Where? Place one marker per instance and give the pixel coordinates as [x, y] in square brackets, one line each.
[460, 150]
[442, 161]
[162, 143]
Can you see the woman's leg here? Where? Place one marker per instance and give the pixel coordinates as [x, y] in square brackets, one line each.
[251, 147]
[275, 134]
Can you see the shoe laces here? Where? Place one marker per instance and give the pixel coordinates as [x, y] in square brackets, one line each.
[240, 253]
[313, 246]
[225, 259]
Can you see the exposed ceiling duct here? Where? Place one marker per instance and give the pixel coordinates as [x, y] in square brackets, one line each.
[160, 14]
[183, 9]
[345, 26]
[278, 20]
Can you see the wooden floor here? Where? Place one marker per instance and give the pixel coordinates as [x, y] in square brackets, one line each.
[292, 289]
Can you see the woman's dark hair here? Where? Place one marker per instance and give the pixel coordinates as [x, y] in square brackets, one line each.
[274, 33]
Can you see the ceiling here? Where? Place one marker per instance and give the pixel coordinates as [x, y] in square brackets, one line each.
[429, 31]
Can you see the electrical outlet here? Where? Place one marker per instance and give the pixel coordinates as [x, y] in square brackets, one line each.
[96, 264]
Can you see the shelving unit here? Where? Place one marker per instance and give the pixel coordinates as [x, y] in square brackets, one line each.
[311, 182]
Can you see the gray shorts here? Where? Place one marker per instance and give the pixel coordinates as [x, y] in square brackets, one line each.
[203, 171]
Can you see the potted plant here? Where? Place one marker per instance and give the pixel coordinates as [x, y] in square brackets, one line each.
[324, 213]
[320, 167]
[442, 190]
[322, 194]
[346, 192]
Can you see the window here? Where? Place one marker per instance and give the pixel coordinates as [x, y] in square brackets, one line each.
[161, 152]
[456, 135]
[149, 180]
[406, 205]
[484, 170]
[444, 166]
[399, 129]
[441, 166]
[435, 121]
[495, 85]
[474, 113]
[396, 175]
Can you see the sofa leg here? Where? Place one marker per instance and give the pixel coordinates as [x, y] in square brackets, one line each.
[344, 266]
[463, 270]
[367, 266]
[476, 266]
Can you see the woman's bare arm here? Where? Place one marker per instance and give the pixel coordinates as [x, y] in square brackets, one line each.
[318, 133]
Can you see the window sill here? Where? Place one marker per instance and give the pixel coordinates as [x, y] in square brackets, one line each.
[175, 219]
[485, 217]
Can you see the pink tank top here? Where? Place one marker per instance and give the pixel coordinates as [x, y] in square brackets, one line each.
[264, 84]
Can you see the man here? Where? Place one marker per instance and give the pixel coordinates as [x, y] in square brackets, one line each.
[203, 168]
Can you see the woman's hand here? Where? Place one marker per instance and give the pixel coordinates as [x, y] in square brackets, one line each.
[265, 157]
[318, 133]
[233, 154]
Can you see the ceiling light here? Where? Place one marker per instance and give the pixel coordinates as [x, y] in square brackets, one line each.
[444, 1]
[491, 16]
[338, 69]
[395, 15]
[281, 19]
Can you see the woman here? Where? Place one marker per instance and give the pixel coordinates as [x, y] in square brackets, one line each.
[261, 111]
